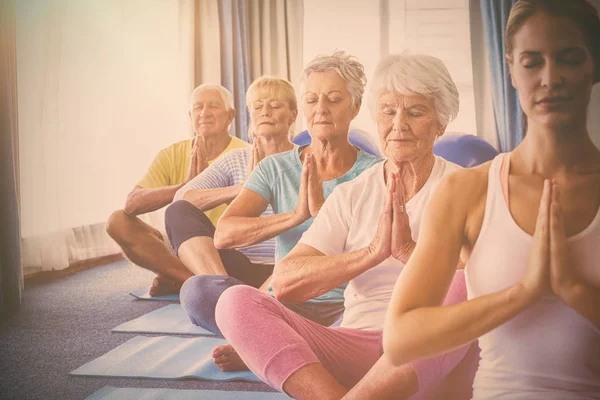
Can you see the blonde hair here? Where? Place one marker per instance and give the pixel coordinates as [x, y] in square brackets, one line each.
[271, 87]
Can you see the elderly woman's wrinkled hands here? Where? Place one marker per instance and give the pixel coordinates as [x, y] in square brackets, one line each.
[393, 236]
[381, 245]
[256, 155]
[302, 211]
[310, 195]
[315, 187]
[402, 243]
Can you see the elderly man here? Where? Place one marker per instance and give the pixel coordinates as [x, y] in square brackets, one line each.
[211, 113]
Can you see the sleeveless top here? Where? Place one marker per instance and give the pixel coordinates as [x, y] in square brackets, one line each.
[548, 351]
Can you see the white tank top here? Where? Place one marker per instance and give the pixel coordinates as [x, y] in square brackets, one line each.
[548, 351]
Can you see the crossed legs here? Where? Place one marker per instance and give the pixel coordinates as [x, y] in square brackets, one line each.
[308, 360]
[144, 246]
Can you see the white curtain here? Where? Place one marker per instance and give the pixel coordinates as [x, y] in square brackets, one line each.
[103, 86]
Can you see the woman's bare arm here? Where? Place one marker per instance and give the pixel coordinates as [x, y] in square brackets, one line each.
[306, 273]
[241, 224]
[427, 328]
[141, 200]
[207, 199]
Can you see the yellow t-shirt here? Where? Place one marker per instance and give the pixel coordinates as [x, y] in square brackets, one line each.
[170, 167]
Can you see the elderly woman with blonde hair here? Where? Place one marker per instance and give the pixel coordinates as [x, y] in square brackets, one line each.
[364, 234]
[273, 109]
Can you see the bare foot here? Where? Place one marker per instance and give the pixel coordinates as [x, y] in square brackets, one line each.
[227, 359]
[162, 286]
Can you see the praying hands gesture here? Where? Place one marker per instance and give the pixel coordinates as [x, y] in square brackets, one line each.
[536, 279]
[562, 273]
[257, 153]
[550, 268]
[393, 236]
[310, 196]
[198, 159]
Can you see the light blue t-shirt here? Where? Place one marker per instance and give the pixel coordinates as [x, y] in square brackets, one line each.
[277, 180]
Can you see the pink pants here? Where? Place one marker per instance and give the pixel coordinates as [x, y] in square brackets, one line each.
[274, 342]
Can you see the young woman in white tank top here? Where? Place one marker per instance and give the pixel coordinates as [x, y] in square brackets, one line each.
[529, 225]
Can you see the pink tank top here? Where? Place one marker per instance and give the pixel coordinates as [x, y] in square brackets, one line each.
[548, 351]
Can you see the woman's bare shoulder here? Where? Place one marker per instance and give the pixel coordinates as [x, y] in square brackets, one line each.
[466, 184]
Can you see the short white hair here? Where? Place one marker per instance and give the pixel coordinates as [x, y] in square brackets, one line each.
[225, 94]
[416, 74]
[347, 67]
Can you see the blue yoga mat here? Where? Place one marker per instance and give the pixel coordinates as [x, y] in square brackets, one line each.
[164, 357]
[113, 393]
[144, 294]
[169, 319]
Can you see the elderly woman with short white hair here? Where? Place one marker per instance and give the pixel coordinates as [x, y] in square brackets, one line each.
[364, 234]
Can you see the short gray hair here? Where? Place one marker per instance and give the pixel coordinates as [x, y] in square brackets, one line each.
[347, 67]
[225, 94]
[416, 74]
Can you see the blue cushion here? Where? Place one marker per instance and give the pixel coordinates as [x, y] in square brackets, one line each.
[464, 150]
[356, 138]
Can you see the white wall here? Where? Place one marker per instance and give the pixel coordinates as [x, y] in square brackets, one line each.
[83, 147]
[351, 25]
[103, 85]
[370, 29]
[440, 28]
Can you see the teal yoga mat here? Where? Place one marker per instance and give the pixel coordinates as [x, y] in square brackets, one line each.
[143, 294]
[163, 357]
[113, 393]
[171, 319]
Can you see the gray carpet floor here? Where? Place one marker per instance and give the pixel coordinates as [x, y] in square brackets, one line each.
[65, 323]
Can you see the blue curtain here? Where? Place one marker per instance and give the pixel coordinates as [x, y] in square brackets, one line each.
[11, 274]
[507, 111]
[235, 59]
